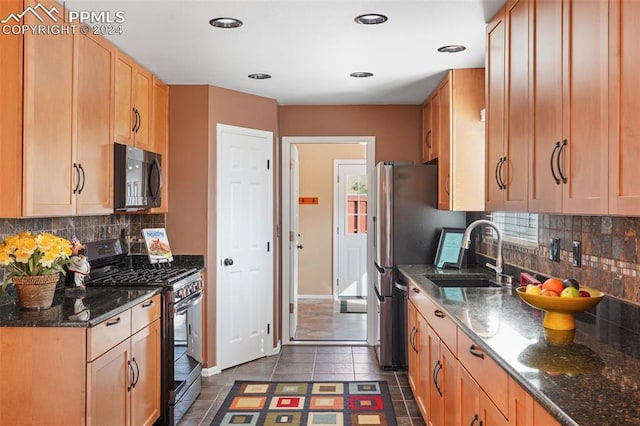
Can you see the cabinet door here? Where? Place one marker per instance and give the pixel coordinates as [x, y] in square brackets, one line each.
[515, 158]
[424, 366]
[123, 118]
[624, 155]
[495, 82]
[520, 405]
[427, 139]
[468, 396]
[412, 347]
[436, 391]
[145, 356]
[143, 87]
[11, 117]
[160, 137]
[95, 58]
[48, 118]
[489, 413]
[444, 144]
[108, 387]
[436, 138]
[448, 380]
[586, 59]
[545, 190]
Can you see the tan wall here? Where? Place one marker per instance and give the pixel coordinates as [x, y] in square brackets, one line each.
[194, 112]
[315, 262]
[397, 128]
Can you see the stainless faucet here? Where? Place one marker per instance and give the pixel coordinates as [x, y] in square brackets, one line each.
[466, 240]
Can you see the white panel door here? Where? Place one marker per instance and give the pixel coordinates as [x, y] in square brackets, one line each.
[245, 262]
[294, 240]
[351, 220]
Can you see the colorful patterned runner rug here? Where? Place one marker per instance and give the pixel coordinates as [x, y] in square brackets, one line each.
[307, 403]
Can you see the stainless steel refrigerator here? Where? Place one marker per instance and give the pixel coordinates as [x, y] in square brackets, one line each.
[407, 229]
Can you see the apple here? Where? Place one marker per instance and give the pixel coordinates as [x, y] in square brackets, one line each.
[584, 293]
[532, 289]
[570, 292]
[571, 282]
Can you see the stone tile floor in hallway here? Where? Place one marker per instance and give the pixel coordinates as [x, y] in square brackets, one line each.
[328, 363]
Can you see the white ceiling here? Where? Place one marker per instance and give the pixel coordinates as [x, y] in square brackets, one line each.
[309, 46]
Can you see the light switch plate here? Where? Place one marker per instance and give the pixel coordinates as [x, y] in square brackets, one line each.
[554, 249]
[577, 253]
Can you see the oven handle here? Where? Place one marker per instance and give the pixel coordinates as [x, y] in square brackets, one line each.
[184, 304]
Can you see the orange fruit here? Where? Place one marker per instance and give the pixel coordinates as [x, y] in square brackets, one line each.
[553, 284]
[549, 292]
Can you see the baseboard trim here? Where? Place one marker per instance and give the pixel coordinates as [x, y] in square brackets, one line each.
[211, 371]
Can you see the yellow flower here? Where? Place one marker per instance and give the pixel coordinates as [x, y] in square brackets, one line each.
[48, 258]
[5, 259]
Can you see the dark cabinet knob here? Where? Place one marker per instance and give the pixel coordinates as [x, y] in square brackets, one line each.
[228, 262]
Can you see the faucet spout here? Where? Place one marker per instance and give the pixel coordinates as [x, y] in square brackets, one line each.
[466, 240]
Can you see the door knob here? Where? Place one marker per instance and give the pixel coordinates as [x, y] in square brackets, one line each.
[228, 262]
[299, 246]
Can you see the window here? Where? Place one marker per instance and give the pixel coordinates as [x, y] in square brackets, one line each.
[356, 204]
[517, 228]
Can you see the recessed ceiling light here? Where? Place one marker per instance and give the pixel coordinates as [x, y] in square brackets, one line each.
[361, 74]
[259, 76]
[370, 19]
[452, 48]
[225, 22]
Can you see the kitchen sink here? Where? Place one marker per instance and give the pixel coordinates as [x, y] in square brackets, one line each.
[463, 282]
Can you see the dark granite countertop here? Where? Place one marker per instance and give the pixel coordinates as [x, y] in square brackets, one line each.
[101, 303]
[592, 381]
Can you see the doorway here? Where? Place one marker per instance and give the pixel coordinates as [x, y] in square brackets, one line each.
[316, 298]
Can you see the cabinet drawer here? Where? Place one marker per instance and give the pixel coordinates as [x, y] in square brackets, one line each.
[145, 313]
[436, 317]
[491, 378]
[107, 334]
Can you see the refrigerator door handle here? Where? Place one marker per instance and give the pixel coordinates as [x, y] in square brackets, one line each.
[380, 298]
[378, 268]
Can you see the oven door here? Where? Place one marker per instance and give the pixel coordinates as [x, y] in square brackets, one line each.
[187, 355]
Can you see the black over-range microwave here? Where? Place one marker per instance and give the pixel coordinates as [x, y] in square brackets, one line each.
[137, 178]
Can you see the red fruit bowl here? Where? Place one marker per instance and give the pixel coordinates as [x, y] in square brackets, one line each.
[560, 310]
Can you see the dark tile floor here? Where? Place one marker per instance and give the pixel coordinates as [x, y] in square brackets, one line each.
[307, 363]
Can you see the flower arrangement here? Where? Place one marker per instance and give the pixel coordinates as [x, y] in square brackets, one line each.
[29, 255]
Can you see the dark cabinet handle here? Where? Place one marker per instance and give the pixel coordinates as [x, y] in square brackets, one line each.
[132, 376]
[147, 304]
[427, 139]
[473, 350]
[475, 420]
[415, 290]
[562, 176]
[436, 372]
[503, 161]
[135, 119]
[137, 374]
[155, 168]
[139, 120]
[553, 172]
[113, 322]
[228, 262]
[412, 335]
[446, 184]
[76, 177]
[83, 178]
[498, 164]
[438, 313]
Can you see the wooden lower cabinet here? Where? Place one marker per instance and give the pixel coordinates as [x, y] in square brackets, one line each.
[524, 411]
[71, 375]
[476, 408]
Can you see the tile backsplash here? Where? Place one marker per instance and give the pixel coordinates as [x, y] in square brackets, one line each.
[610, 252]
[89, 228]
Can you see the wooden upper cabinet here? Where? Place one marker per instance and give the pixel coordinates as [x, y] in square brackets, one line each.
[429, 150]
[494, 124]
[624, 175]
[133, 99]
[545, 190]
[93, 110]
[11, 117]
[586, 97]
[516, 144]
[48, 151]
[444, 144]
[160, 136]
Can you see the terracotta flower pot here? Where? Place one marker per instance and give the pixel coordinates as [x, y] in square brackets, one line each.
[35, 292]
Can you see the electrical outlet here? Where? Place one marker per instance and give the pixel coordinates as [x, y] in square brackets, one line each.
[554, 249]
[577, 253]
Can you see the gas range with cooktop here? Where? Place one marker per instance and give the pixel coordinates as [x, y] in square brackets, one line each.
[181, 317]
